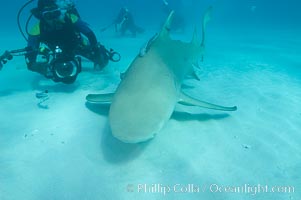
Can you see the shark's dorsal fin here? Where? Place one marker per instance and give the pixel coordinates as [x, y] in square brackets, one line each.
[206, 19]
[166, 27]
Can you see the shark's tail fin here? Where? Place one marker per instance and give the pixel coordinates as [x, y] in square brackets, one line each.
[206, 19]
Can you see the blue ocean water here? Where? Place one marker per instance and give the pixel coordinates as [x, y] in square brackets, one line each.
[252, 60]
[267, 13]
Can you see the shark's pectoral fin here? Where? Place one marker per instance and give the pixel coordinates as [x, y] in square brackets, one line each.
[100, 98]
[189, 101]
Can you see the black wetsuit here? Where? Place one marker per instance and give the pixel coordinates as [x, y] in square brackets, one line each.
[66, 35]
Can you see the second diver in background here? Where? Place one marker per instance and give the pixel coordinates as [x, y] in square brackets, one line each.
[125, 22]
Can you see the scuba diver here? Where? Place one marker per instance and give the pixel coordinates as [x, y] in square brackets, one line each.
[60, 37]
[61, 28]
[125, 22]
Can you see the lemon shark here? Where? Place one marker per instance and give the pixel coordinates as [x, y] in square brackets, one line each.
[151, 87]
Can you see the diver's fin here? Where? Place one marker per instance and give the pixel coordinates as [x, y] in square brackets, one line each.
[189, 101]
[100, 98]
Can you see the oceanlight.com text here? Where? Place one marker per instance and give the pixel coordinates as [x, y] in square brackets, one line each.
[249, 189]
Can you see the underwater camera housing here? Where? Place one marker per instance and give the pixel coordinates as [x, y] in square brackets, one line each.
[66, 71]
[64, 68]
[61, 67]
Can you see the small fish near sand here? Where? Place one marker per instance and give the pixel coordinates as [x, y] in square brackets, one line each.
[147, 95]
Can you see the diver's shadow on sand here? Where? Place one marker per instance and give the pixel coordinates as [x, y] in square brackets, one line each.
[183, 116]
[53, 86]
[115, 151]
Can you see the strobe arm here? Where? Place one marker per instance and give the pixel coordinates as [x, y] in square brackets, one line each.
[8, 55]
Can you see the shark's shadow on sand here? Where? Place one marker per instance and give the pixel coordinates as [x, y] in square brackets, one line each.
[184, 116]
[114, 150]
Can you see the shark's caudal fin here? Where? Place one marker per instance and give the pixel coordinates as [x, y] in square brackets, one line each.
[206, 19]
[167, 25]
[189, 101]
[100, 98]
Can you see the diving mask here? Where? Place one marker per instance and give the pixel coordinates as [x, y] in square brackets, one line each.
[53, 14]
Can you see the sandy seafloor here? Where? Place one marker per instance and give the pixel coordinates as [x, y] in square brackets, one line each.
[67, 151]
